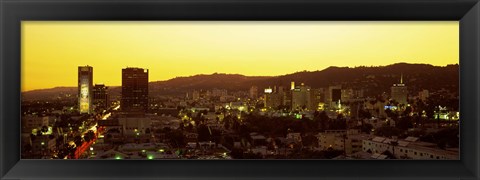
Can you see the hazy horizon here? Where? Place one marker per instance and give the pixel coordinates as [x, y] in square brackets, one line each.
[60, 86]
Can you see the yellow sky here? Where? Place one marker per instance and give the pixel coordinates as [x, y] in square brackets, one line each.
[52, 50]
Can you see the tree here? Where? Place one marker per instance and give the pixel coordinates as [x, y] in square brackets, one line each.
[387, 131]
[407, 111]
[366, 128]
[177, 139]
[393, 144]
[404, 123]
[389, 154]
[59, 140]
[108, 137]
[322, 120]
[390, 113]
[226, 122]
[78, 140]
[363, 114]
[44, 129]
[203, 133]
[309, 140]
[90, 135]
[86, 138]
[32, 137]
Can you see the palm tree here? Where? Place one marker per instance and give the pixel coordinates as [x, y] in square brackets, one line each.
[39, 133]
[393, 143]
[44, 129]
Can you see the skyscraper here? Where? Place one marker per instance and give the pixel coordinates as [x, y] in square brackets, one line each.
[334, 94]
[316, 96]
[273, 98]
[100, 96]
[253, 92]
[85, 83]
[399, 92]
[134, 89]
[301, 97]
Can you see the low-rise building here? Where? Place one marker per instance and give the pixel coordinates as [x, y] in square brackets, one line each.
[409, 148]
[349, 141]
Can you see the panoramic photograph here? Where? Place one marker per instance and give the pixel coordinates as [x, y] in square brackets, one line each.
[227, 90]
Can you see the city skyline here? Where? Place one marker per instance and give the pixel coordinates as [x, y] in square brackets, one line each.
[73, 41]
[249, 90]
[215, 73]
[340, 121]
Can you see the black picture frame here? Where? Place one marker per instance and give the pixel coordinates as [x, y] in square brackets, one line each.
[12, 12]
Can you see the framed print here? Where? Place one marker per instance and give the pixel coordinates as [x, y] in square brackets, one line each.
[239, 89]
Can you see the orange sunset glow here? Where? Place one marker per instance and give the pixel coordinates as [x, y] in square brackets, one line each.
[52, 50]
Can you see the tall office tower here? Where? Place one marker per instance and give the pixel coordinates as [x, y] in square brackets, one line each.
[399, 92]
[347, 94]
[254, 92]
[315, 98]
[267, 99]
[423, 95]
[85, 83]
[195, 95]
[274, 98]
[134, 89]
[301, 97]
[219, 92]
[334, 94]
[100, 96]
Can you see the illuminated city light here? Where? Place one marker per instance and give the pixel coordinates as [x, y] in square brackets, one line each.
[284, 116]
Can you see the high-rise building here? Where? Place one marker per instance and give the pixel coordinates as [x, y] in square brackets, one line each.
[253, 92]
[316, 96]
[423, 95]
[347, 94]
[274, 98]
[219, 92]
[301, 97]
[100, 96]
[399, 92]
[334, 96]
[195, 95]
[85, 84]
[134, 89]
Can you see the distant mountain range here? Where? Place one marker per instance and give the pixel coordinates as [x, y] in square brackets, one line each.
[374, 80]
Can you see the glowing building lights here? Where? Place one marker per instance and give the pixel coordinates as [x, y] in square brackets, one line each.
[85, 85]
